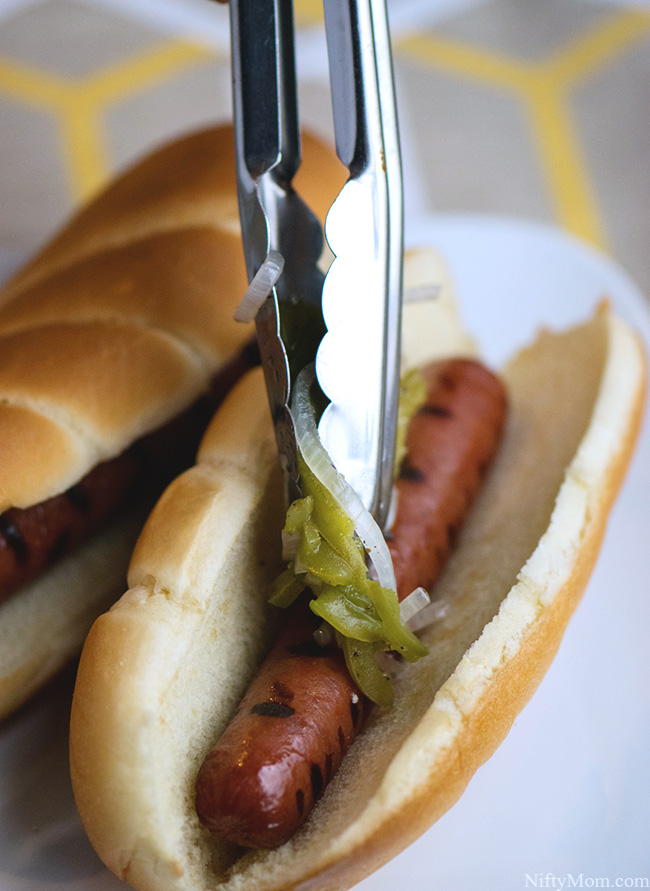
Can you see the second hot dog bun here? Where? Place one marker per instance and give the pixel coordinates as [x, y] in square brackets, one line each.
[116, 327]
[162, 672]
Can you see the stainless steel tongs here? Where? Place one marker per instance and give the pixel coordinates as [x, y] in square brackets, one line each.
[348, 323]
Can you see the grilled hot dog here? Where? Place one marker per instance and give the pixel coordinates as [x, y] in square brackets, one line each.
[302, 711]
[288, 738]
[33, 539]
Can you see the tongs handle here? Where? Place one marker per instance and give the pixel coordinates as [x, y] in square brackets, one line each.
[361, 78]
[266, 132]
[266, 68]
[273, 217]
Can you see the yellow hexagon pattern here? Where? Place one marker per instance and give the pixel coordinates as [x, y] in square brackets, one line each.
[543, 86]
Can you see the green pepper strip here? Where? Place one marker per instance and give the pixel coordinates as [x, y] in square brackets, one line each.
[351, 616]
[361, 660]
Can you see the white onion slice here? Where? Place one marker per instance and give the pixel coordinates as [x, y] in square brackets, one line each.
[260, 287]
[413, 603]
[289, 546]
[318, 461]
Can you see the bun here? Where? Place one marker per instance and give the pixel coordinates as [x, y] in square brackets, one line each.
[121, 320]
[116, 327]
[162, 672]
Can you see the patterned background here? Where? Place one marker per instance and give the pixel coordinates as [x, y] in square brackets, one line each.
[537, 108]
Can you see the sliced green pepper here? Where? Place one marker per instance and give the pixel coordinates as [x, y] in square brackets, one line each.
[352, 616]
[361, 660]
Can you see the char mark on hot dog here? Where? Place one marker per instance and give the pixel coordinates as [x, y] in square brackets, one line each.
[262, 778]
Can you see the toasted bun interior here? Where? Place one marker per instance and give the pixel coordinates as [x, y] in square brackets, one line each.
[163, 670]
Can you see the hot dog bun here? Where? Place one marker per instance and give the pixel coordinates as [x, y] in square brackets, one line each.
[115, 327]
[162, 672]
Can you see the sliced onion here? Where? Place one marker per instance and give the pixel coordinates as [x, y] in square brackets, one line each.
[260, 287]
[318, 461]
[289, 546]
[413, 603]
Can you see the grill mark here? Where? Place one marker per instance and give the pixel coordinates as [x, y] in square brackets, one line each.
[300, 801]
[448, 382]
[438, 411]
[14, 539]
[271, 709]
[409, 472]
[316, 778]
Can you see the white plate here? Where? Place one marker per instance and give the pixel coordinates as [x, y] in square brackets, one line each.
[566, 799]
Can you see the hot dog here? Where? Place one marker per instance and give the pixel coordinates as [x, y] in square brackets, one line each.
[34, 538]
[116, 344]
[163, 672]
[301, 713]
[291, 731]
[451, 442]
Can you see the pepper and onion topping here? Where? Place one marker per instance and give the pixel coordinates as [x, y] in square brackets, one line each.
[329, 538]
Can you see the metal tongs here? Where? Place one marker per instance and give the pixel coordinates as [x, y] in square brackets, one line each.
[349, 321]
